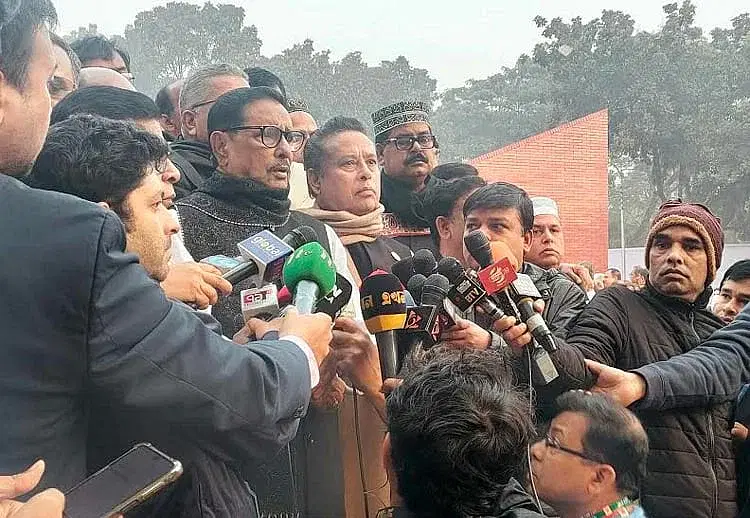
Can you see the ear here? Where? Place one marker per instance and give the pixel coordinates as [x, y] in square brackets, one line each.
[443, 227]
[603, 480]
[104, 205]
[188, 124]
[313, 183]
[4, 96]
[219, 142]
[528, 237]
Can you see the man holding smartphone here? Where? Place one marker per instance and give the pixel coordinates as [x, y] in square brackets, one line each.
[83, 322]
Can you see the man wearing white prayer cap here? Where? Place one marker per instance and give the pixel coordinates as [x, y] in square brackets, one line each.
[548, 244]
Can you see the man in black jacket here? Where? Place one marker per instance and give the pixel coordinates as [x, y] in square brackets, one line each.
[691, 464]
[457, 437]
[82, 319]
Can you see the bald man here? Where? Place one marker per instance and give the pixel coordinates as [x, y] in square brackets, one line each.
[301, 121]
[99, 76]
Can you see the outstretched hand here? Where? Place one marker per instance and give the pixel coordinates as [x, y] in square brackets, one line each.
[624, 387]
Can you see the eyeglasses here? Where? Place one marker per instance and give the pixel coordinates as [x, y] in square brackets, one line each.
[552, 442]
[271, 136]
[202, 103]
[406, 142]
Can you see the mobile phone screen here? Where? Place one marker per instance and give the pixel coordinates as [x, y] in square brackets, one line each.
[130, 474]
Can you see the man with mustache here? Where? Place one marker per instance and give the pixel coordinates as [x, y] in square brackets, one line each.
[692, 462]
[407, 153]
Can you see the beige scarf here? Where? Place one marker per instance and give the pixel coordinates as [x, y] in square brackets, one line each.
[350, 228]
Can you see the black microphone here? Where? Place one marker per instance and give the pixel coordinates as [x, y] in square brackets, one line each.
[524, 293]
[384, 311]
[479, 247]
[466, 292]
[332, 303]
[424, 262]
[415, 285]
[404, 270]
[434, 293]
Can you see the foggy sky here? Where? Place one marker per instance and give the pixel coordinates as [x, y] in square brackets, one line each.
[455, 41]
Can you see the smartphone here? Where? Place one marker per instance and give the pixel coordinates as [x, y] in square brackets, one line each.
[122, 485]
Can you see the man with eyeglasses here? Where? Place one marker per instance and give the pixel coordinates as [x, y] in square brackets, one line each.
[407, 153]
[98, 51]
[192, 152]
[592, 460]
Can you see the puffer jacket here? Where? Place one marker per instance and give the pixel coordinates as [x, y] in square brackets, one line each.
[563, 299]
[691, 465]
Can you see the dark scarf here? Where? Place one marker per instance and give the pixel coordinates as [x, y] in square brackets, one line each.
[197, 153]
[399, 198]
[245, 200]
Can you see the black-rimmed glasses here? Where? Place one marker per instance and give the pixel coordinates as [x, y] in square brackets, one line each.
[406, 142]
[271, 136]
[552, 442]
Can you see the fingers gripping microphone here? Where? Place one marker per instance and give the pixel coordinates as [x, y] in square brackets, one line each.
[263, 254]
[384, 311]
[309, 273]
[524, 292]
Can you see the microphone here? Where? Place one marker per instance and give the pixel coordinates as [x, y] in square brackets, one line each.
[465, 292]
[384, 311]
[263, 255]
[415, 285]
[260, 302]
[499, 278]
[424, 262]
[309, 273]
[222, 262]
[433, 294]
[404, 270]
[524, 292]
[332, 303]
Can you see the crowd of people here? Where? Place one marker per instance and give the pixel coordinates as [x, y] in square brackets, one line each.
[121, 326]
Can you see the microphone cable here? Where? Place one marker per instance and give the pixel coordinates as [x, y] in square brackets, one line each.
[528, 446]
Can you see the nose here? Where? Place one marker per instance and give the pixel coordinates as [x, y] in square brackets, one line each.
[170, 174]
[169, 223]
[675, 255]
[735, 307]
[365, 172]
[284, 150]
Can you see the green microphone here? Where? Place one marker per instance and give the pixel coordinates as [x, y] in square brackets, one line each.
[309, 274]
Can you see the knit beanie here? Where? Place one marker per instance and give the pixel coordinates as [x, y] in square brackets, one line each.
[698, 218]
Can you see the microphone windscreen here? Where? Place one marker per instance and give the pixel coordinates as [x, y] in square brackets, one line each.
[424, 262]
[415, 285]
[383, 303]
[479, 247]
[500, 250]
[301, 235]
[310, 262]
[403, 269]
[435, 290]
[451, 269]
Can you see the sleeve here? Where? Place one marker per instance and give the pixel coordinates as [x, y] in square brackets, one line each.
[710, 374]
[598, 333]
[150, 356]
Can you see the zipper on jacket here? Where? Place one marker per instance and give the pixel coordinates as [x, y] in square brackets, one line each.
[712, 453]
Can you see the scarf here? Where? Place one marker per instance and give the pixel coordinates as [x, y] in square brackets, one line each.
[197, 153]
[399, 198]
[246, 201]
[349, 227]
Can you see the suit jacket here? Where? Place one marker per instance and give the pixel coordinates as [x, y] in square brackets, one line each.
[82, 322]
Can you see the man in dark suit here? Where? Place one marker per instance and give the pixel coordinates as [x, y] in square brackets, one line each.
[81, 318]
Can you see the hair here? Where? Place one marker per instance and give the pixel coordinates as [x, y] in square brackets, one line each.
[298, 105]
[589, 266]
[440, 199]
[613, 436]
[315, 147]
[72, 56]
[90, 48]
[616, 273]
[229, 109]
[502, 195]
[163, 102]
[96, 159]
[18, 29]
[106, 101]
[458, 432]
[257, 76]
[453, 170]
[640, 270]
[198, 85]
[739, 271]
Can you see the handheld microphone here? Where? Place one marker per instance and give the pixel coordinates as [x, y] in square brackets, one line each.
[424, 262]
[494, 276]
[260, 302]
[524, 292]
[263, 255]
[222, 262]
[434, 294]
[404, 270]
[384, 311]
[309, 273]
[465, 292]
[332, 303]
[415, 285]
